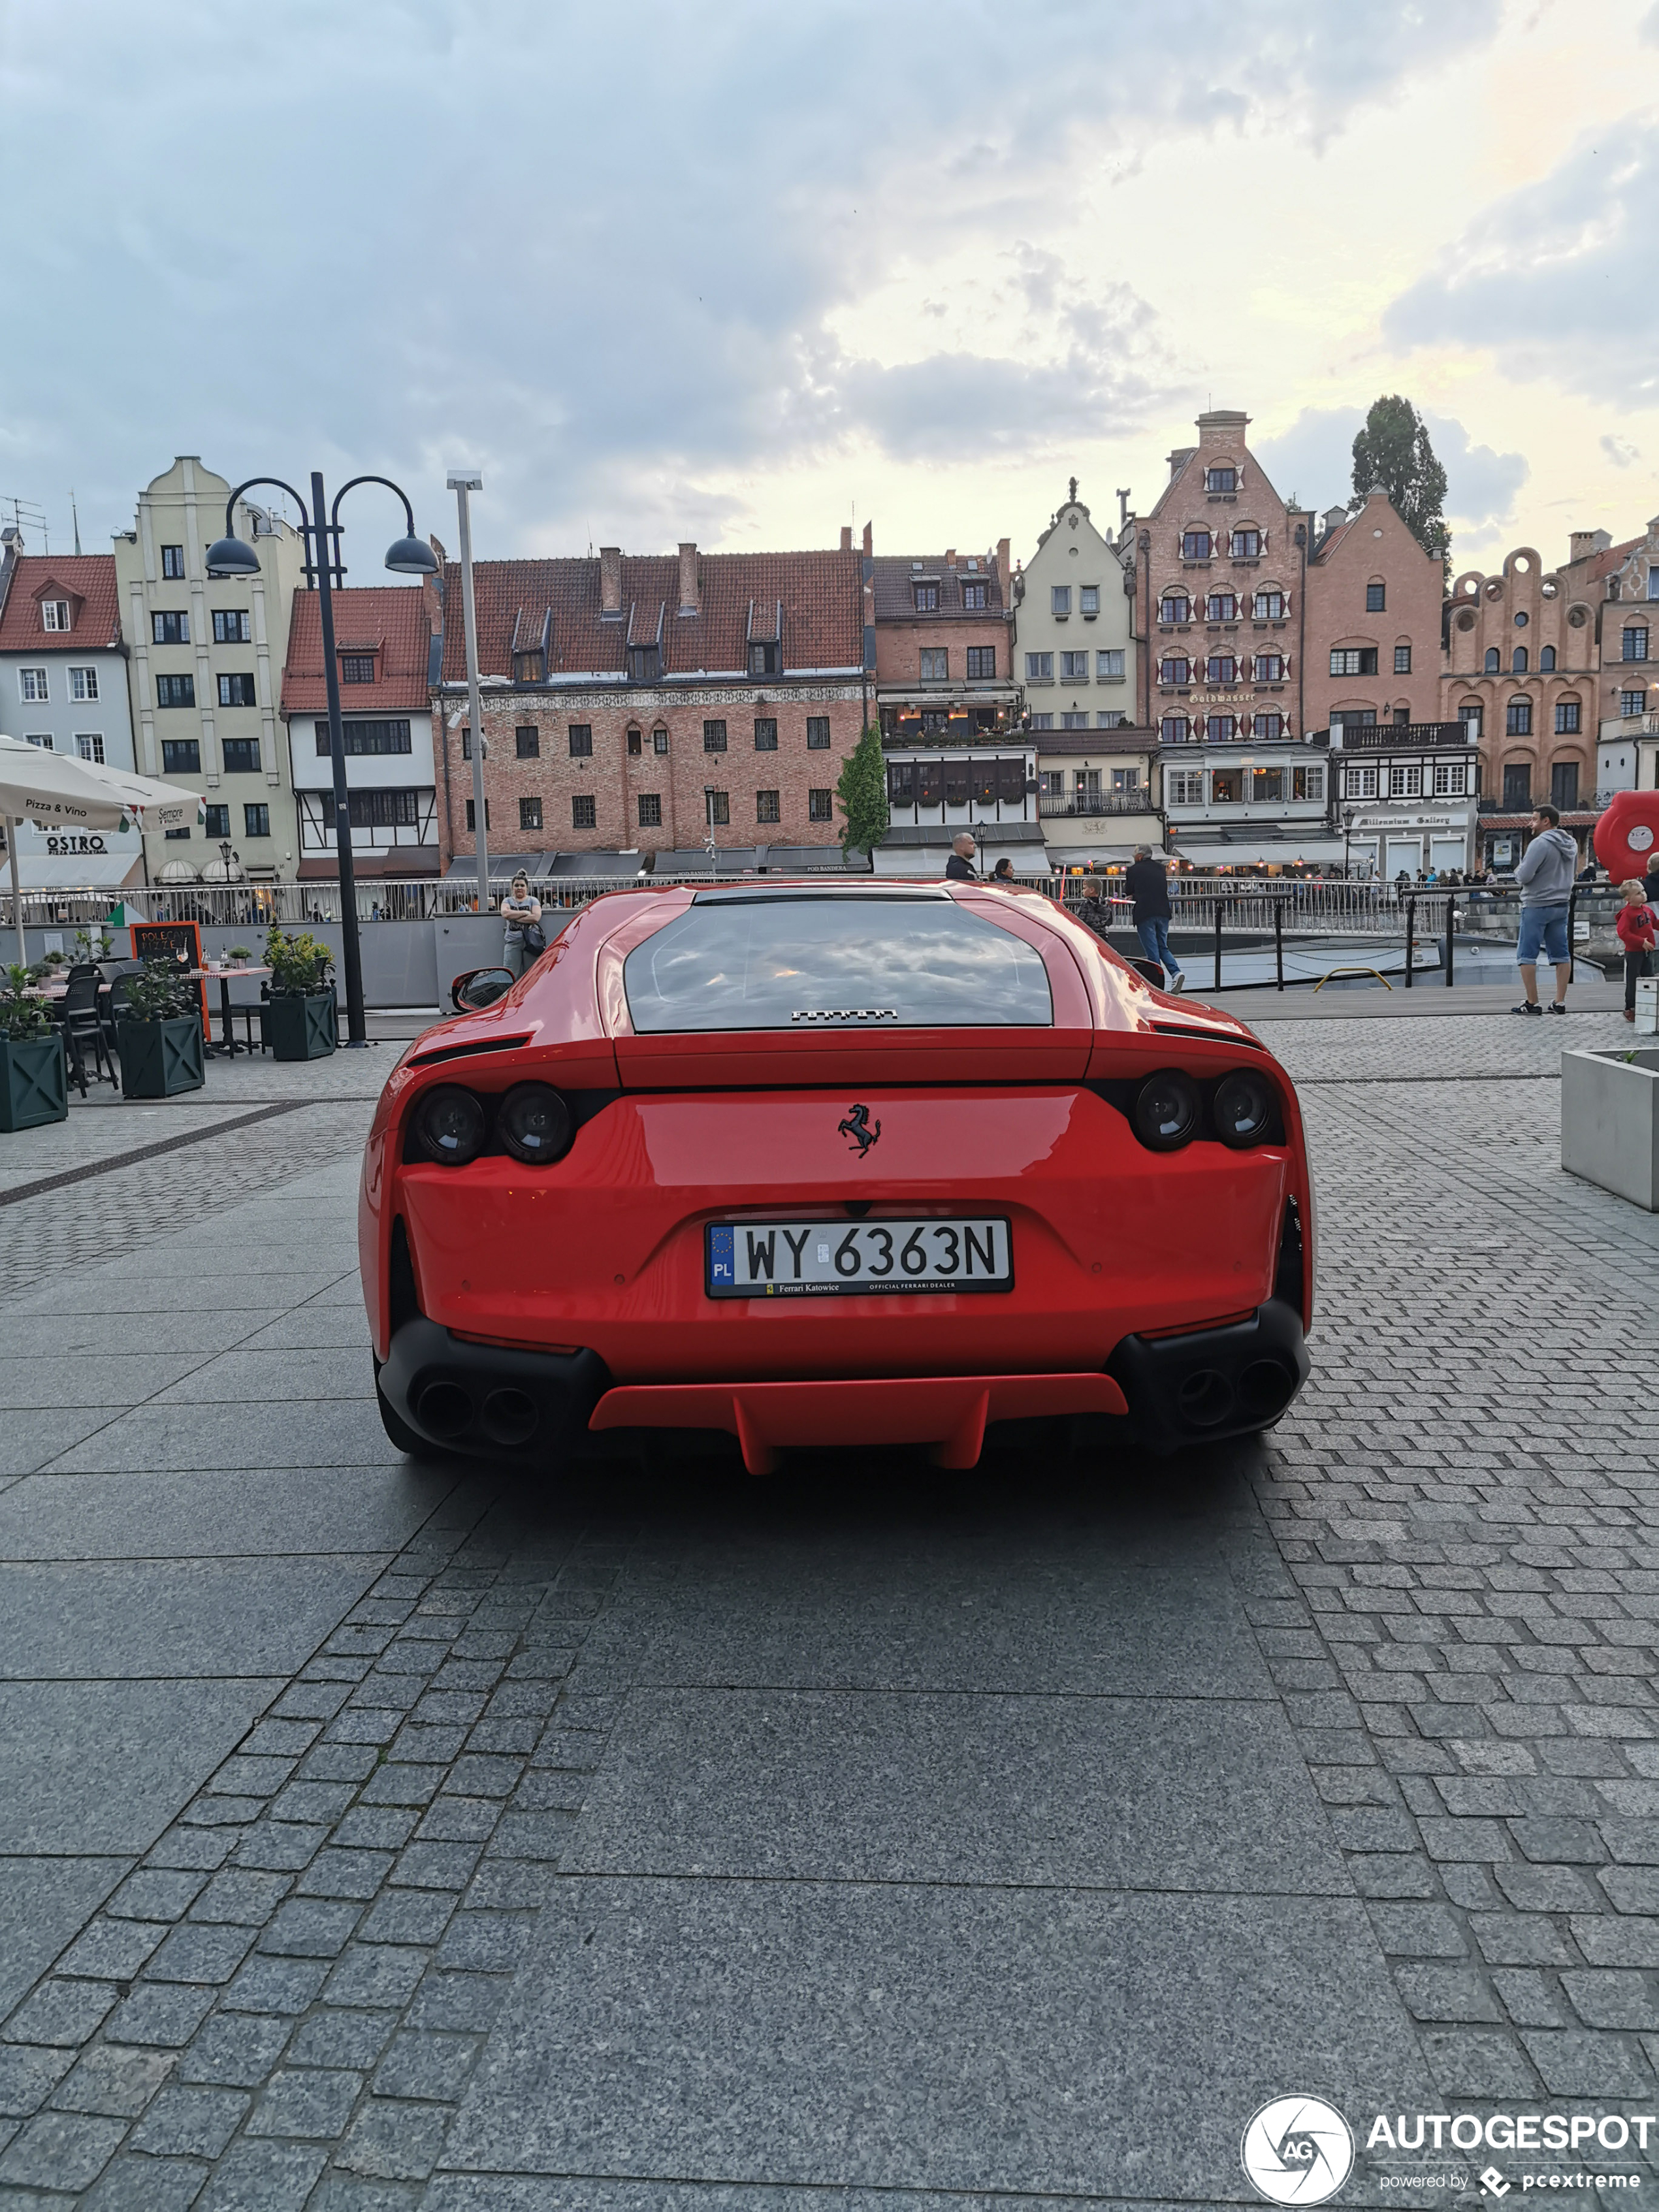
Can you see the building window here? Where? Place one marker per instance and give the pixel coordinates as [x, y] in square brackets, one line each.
[1226, 786]
[1186, 787]
[1270, 606]
[1402, 660]
[375, 737]
[1247, 545]
[763, 659]
[530, 814]
[1114, 719]
[659, 741]
[1518, 786]
[935, 664]
[1451, 779]
[231, 626]
[237, 691]
[466, 740]
[925, 597]
[1269, 668]
[175, 691]
[169, 629]
[256, 819]
[1220, 479]
[1266, 784]
[584, 813]
[1220, 729]
[820, 805]
[83, 683]
[713, 737]
[90, 747]
[1174, 729]
[177, 836]
[1491, 663]
[1042, 721]
[1175, 669]
[651, 810]
[1517, 719]
[1039, 668]
[356, 668]
[1108, 666]
[635, 745]
[973, 597]
[1175, 607]
[1376, 599]
[1633, 643]
[981, 664]
[1567, 718]
[1359, 783]
[1518, 660]
[1073, 667]
[766, 806]
[527, 742]
[1268, 727]
[1221, 606]
[1354, 660]
[766, 734]
[1223, 668]
[643, 665]
[818, 733]
[1632, 702]
[382, 810]
[1074, 721]
[1405, 780]
[718, 805]
[181, 756]
[54, 614]
[241, 756]
[580, 738]
[1088, 601]
[471, 823]
[1060, 601]
[1309, 783]
[1196, 545]
[1564, 784]
[218, 821]
[172, 561]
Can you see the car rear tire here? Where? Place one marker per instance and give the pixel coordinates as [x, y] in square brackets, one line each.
[401, 1435]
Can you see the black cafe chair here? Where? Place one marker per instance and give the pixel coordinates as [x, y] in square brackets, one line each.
[83, 1027]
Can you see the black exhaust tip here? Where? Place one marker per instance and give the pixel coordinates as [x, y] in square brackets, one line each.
[1205, 1398]
[444, 1410]
[509, 1416]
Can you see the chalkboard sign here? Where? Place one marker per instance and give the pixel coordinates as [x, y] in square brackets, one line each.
[180, 941]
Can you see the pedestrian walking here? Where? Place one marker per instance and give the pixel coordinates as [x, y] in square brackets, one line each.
[1149, 887]
[1545, 872]
[522, 937]
[960, 866]
[1637, 925]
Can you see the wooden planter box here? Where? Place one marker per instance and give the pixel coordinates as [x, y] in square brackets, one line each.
[34, 1082]
[301, 1028]
[159, 1059]
[1610, 1121]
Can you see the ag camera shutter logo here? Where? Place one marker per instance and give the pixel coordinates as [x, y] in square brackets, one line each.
[1297, 2150]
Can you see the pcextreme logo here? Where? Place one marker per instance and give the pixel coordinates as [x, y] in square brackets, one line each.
[1297, 2150]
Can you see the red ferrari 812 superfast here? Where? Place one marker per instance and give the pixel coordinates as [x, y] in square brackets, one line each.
[833, 1162]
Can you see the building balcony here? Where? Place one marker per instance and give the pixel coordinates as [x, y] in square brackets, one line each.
[1095, 802]
[1401, 737]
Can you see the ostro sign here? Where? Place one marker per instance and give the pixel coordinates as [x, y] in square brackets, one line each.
[64, 843]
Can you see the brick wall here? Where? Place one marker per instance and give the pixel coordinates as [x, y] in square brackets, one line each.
[1374, 553]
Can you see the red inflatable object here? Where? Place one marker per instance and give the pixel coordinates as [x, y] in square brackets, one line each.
[1627, 834]
[837, 1163]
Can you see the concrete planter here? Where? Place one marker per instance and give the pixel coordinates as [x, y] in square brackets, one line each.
[159, 1059]
[34, 1082]
[1610, 1121]
[301, 1028]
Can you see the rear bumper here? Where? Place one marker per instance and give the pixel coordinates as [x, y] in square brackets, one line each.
[486, 1398]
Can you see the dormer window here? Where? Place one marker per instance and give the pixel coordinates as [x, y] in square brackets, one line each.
[972, 566]
[54, 614]
[763, 659]
[1221, 479]
[529, 667]
[927, 598]
[642, 664]
[356, 668]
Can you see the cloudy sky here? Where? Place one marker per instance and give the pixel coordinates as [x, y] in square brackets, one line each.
[744, 273]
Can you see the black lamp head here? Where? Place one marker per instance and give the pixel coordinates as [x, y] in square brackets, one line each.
[409, 557]
[232, 556]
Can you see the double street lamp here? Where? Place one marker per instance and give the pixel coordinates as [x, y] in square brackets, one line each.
[232, 556]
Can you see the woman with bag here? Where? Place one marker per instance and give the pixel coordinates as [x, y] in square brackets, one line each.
[523, 939]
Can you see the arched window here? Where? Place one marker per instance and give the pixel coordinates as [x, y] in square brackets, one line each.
[1270, 726]
[1492, 660]
[1547, 657]
[1175, 607]
[1223, 607]
[1175, 668]
[1518, 660]
[1270, 604]
[1175, 729]
[1221, 729]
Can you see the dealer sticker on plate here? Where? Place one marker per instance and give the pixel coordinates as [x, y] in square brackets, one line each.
[816, 1259]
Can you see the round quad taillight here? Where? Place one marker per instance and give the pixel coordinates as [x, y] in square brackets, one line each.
[1243, 1109]
[1167, 1110]
[534, 1123]
[449, 1125]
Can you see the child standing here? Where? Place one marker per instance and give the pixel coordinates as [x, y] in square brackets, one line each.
[1636, 923]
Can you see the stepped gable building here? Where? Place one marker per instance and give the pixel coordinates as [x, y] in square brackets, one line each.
[383, 645]
[1524, 668]
[1628, 717]
[632, 702]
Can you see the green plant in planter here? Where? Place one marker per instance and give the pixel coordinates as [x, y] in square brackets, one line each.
[92, 944]
[299, 965]
[34, 1080]
[240, 952]
[300, 1018]
[159, 1036]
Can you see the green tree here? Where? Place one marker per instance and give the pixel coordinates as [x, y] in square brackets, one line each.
[1393, 453]
[861, 793]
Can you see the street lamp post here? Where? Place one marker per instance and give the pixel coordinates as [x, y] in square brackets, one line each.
[461, 482]
[1350, 816]
[232, 556]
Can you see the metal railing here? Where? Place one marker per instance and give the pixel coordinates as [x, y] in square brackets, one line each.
[258, 906]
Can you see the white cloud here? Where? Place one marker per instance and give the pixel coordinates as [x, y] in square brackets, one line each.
[1315, 458]
[1620, 450]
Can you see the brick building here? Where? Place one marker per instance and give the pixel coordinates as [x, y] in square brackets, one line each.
[628, 700]
[1628, 709]
[1372, 650]
[944, 644]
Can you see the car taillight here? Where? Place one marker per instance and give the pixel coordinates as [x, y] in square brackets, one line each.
[1244, 1109]
[449, 1125]
[534, 1123]
[1167, 1110]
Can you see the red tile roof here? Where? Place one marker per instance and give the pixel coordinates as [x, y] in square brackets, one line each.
[88, 577]
[389, 620]
[820, 592]
[896, 573]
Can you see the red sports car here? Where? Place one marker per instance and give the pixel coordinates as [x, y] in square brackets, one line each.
[832, 1163]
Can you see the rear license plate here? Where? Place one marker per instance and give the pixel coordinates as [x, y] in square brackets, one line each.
[817, 1259]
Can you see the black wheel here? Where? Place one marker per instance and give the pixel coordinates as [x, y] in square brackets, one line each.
[398, 1430]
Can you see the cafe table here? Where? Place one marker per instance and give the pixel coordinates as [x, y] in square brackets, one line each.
[224, 974]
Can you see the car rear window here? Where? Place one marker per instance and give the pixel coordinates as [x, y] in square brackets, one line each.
[835, 963]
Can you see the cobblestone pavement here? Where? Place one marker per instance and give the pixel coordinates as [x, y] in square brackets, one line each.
[383, 1837]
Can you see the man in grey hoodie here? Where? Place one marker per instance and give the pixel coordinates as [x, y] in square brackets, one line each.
[1545, 872]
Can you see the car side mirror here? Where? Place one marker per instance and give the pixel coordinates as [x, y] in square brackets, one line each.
[479, 987]
[1150, 970]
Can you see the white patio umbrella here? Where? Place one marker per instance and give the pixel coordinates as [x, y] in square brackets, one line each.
[56, 792]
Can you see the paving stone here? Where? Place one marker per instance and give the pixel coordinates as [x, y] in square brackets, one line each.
[61, 2150]
[282, 1846]
[199, 1951]
[112, 2079]
[262, 2176]
[166, 2014]
[435, 2067]
[63, 2012]
[345, 1874]
[1575, 2063]
[306, 2101]
[1608, 1998]
[309, 1928]
[237, 2049]
[1545, 1888]
[153, 1894]
[28, 2077]
[275, 1985]
[394, 2141]
[1441, 1993]
[147, 2185]
[336, 2037]
[372, 1974]
[111, 1950]
[242, 1897]
[186, 2122]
